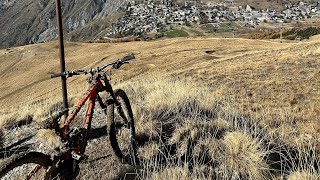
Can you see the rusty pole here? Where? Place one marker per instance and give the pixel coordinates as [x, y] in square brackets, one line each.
[62, 59]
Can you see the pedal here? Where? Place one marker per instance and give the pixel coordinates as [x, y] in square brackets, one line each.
[75, 156]
[119, 125]
[78, 157]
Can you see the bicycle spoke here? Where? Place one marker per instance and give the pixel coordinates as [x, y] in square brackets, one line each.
[26, 171]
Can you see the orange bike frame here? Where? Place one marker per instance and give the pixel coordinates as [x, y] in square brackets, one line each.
[91, 95]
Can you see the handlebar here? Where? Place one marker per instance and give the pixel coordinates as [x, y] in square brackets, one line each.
[115, 65]
[57, 75]
[128, 58]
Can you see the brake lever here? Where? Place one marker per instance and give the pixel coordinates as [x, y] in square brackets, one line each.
[69, 74]
[117, 65]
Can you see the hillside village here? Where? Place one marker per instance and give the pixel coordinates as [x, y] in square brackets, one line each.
[155, 16]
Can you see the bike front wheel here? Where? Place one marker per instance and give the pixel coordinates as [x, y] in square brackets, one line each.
[121, 129]
[32, 165]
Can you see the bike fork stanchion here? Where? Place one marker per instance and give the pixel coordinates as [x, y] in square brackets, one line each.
[62, 59]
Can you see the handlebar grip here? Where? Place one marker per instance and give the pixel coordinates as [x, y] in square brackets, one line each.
[57, 75]
[78, 72]
[128, 58]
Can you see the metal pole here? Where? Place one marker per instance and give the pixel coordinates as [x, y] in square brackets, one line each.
[62, 59]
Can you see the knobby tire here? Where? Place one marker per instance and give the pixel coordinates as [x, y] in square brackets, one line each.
[15, 161]
[129, 157]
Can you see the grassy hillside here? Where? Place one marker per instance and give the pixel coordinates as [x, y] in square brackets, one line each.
[204, 107]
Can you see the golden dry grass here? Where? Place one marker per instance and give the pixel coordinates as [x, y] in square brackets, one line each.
[172, 174]
[49, 139]
[303, 175]
[243, 156]
[216, 131]
[202, 95]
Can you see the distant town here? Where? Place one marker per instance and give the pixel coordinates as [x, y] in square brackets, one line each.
[156, 16]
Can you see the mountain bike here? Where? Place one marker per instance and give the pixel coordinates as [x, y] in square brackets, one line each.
[120, 127]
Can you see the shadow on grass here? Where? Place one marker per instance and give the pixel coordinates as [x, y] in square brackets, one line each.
[98, 132]
[15, 148]
[99, 158]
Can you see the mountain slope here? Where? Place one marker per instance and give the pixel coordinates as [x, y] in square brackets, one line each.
[27, 21]
[218, 94]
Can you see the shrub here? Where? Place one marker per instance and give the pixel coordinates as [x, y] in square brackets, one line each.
[307, 33]
[176, 33]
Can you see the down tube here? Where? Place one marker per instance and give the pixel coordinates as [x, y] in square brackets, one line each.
[78, 106]
[88, 118]
[90, 109]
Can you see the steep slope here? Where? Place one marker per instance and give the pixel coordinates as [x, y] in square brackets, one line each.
[246, 105]
[26, 21]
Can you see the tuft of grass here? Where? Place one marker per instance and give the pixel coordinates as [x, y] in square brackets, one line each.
[16, 119]
[149, 151]
[170, 93]
[241, 156]
[172, 173]
[197, 128]
[298, 175]
[50, 141]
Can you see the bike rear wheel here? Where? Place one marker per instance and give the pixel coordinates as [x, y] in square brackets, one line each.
[121, 129]
[32, 165]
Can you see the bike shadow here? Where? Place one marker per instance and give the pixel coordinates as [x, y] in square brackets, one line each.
[16, 147]
[97, 132]
[20, 146]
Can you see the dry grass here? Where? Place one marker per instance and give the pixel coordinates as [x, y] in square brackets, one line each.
[172, 173]
[118, 40]
[303, 175]
[242, 156]
[214, 135]
[248, 110]
[49, 140]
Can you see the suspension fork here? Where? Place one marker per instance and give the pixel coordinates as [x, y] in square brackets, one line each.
[109, 89]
